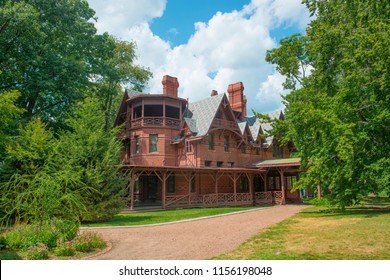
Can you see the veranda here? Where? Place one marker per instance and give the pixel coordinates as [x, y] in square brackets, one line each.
[188, 187]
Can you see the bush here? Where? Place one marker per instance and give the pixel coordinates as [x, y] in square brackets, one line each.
[64, 249]
[38, 252]
[23, 236]
[3, 242]
[67, 230]
[88, 241]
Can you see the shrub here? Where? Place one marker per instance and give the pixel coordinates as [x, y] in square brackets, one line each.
[3, 242]
[23, 236]
[88, 241]
[67, 230]
[64, 249]
[38, 252]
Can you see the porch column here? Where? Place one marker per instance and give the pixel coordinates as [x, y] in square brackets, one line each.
[282, 184]
[164, 187]
[235, 191]
[251, 188]
[132, 183]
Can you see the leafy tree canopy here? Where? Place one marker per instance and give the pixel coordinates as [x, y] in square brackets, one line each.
[50, 52]
[339, 118]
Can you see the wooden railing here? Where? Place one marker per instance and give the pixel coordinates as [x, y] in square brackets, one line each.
[277, 197]
[270, 197]
[155, 121]
[224, 123]
[208, 200]
[263, 198]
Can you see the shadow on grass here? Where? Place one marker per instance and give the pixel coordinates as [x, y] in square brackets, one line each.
[122, 220]
[365, 211]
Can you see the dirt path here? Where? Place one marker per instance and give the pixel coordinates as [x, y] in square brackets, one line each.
[192, 240]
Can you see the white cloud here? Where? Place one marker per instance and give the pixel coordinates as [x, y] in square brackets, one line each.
[270, 93]
[230, 46]
[115, 16]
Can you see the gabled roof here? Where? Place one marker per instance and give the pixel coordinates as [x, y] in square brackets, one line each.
[254, 127]
[191, 123]
[266, 126]
[201, 114]
[242, 126]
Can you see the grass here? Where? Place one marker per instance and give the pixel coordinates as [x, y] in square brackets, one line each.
[147, 218]
[358, 233]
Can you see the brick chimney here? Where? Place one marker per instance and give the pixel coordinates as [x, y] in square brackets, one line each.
[237, 99]
[214, 93]
[170, 86]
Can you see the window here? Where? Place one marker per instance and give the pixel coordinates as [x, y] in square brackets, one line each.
[211, 141]
[171, 184]
[172, 112]
[192, 182]
[244, 183]
[226, 144]
[219, 163]
[277, 151]
[257, 151]
[153, 110]
[243, 149]
[188, 147]
[137, 142]
[153, 138]
[230, 164]
[207, 163]
[137, 112]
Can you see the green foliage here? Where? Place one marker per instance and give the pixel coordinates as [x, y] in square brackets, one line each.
[38, 252]
[8, 255]
[339, 118]
[33, 186]
[9, 113]
[64, 249]
[291, 59]
[93, 153]
[23, 236]
[115, 69]
[88, 241]
[3, 242]
[50, 52]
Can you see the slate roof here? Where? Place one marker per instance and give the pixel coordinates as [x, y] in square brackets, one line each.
[255, 124]
[202, 113]
[242, 126]
[132, 93]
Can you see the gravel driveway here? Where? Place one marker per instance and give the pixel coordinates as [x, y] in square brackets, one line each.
[190, 240]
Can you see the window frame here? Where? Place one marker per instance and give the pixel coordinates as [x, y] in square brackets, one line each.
[153, 147]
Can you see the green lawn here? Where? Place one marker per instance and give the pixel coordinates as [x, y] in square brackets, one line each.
[317, 233]
[147, 218]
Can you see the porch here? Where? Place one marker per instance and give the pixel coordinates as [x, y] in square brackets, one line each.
[184, 187]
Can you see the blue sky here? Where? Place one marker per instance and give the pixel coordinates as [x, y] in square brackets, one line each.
[207, 44]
